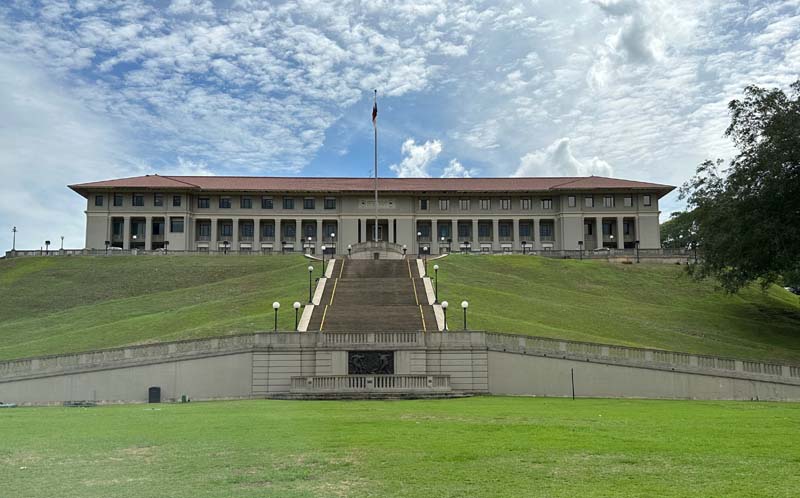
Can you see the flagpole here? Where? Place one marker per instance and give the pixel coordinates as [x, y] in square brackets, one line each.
[375, 123]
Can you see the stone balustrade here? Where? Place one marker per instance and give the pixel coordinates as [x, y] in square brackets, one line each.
[370, 383]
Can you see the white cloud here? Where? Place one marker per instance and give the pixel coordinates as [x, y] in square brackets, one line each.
[455, 169]
[557, 160]
[417, 158]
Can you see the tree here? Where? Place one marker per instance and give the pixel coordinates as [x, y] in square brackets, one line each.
[679, 231]
[747, 216]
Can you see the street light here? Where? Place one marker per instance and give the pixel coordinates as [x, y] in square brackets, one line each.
[276, 306]
[637, 250]
[333, 240]
[464, 306]
[404, 250]
[444, 308]
[225, 245]
[441, 244]
[349, 249]
[108, 243]
[436, 277]
[296, 306]
[46, 246]
[14, 239]
[425, 259]
[580, 248]
[308, 245]
[323, 260]
[524, 243]
[166, 246]
[62, 243]
[310, 271]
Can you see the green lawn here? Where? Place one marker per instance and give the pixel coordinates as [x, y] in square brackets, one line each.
[55, 305]
[478, 447]
[646, 305]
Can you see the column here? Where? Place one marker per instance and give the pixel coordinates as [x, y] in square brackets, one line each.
[320, 234]
[235, 234]
[298, 234]
[620, 233]
[515, 235]
[256, 234]
[434, 237]
[537, 235]
[393, 230]
[476, 243]
[213, 244]
[495, 234]
[126, 232]
[598, 232]
[148, 232]
[558, 234]
[363, 224]
[636, 221]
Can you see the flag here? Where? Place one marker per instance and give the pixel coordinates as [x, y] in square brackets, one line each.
[375, 110]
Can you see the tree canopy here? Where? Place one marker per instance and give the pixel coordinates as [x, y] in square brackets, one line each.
[747, 215]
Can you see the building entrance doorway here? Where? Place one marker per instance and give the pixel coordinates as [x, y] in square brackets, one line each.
[383, 230]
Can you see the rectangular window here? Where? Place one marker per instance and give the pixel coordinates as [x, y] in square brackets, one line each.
[246, 203]
[118, 200]
[444, 204]
[486, 204]
[268, 230]
[158, 199]
[545, 230]
[224, 202]
[266, 203]
[627, 201]
[524, 229]
[444, 231]
[289, 230]
[463, 230]
[505, 204]
[117, 227]
[176, 201]
[98, 200]
[310, 231]
[288, 203]
[425, 231]
[646, 200]
[463, 204]
[608, 201]
[423, 204]
[505, 229]
[547, 203]
[525, 204]
[138, 200]
[204, 230]
[572, 201]
[247, 230]
[203, 202]
[158, 227]
[607, 228]
[176, 225]
[330, 203]
[588, 201]
[626, 228]
[227, 230]
[484, 230]
[308, 203]
[589, 229]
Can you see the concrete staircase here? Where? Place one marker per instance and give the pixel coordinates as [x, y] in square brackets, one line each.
[373, 295]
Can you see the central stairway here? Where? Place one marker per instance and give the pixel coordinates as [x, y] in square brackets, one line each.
[373, 295]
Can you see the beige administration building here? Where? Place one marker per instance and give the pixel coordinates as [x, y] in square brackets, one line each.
[215, 213]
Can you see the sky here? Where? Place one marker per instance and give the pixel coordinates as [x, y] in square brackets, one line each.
[635, 89]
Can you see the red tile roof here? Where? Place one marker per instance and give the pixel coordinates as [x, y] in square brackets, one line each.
[312, 184]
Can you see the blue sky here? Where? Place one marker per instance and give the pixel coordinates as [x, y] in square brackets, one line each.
[636, 89]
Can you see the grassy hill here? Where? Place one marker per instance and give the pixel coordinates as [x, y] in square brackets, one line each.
[55, 305]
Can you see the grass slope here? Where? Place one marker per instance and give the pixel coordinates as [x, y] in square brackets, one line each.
[478, 447]
[645, 305]
[55, 305]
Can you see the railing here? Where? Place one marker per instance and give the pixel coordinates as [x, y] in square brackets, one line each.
[380, 245]
[371, 338]
[371, 383]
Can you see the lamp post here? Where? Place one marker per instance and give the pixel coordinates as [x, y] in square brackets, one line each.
[14, 239]
[580, 249]
[333, 241]
[323, 260]
[441, 244]
[444, 308]
[296, 307]
[310, 271]
[524, 243]
[108, 243]
[47, 247]
[308, 245]
[464, 306]
[404, 250]
[612, 241]
[436, 280]
[637, 250]
[349, 249]
[419, 236]
[62, 243]
[166, 246]
[276, 306]
[425, 259]
[225, 245]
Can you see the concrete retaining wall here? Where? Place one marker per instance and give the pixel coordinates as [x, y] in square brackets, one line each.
[262, 364]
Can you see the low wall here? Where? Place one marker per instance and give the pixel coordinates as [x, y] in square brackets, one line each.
[264, 364]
